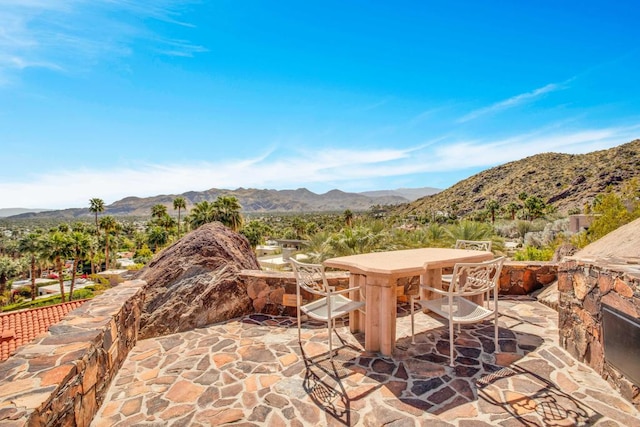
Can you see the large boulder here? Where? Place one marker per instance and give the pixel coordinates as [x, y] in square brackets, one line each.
[621, 245]
[194, 282]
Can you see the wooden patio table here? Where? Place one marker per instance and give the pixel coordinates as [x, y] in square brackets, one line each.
[379, 272]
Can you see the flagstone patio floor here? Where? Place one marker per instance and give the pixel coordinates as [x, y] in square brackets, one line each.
[253, 372]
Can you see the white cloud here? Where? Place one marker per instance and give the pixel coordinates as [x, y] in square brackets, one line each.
[512, 102]
[75, 188]
[340, 168]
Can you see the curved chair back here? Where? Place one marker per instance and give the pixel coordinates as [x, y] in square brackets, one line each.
[476, 278]
[310, 277]
[476, 245]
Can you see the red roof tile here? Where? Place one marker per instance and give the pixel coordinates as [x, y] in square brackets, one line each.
[21, 327]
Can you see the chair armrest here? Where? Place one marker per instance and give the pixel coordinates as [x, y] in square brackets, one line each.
[434, 290]
[344, 291]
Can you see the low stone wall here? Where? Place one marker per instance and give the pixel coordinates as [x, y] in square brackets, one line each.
[62, 377]
[525, 277]
[584, 286]
[269, 290]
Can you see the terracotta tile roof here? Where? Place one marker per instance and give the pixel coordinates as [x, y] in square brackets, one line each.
[21, 327]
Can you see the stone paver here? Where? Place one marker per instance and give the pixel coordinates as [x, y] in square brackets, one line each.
[253, 372]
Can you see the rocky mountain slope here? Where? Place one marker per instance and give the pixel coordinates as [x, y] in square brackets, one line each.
[253, 200]
[566, 181]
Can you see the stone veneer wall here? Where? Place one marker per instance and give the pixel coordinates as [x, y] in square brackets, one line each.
[62, 377]
[525, 277]
[584, 286]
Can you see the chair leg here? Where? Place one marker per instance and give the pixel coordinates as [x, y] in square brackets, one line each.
[451, 342]
[330, 336]
[413, 340]
[299, 335]
[495, 332]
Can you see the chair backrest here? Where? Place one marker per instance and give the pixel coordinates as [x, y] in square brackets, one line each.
[474, 278]
[310, 277]
[476, 245]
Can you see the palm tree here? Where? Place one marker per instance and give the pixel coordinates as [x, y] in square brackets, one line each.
[158, 211]
[201, 213]
[8, 268]
[255, 231]
[179, 203]
[31, 245]
[470, 230]
[80, 244]
[109, 224]
[512, 208]
[158, 236]
[535, 207]
[348, 217]
[492, 206]
[96, 205]
[56, 248]
[299, 226]
[228, 211]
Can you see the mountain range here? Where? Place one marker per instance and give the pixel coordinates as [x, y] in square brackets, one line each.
[252, 201]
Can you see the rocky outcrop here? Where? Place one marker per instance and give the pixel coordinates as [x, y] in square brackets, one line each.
[194, 282]
[563, 251]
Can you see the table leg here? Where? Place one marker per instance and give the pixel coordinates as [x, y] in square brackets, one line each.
[380, 329]
[357, 318]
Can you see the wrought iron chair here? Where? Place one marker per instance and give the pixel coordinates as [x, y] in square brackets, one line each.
[329, 303]
[455, 304]
[474, 245]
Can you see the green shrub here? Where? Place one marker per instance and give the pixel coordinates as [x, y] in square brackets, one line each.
[530, 253]
[24, 291]
[83, 293]
[99, 279]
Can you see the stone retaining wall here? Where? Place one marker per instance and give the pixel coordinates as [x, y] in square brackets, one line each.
[525, 277]
[584, 286]
[267, 289]
[62, 377]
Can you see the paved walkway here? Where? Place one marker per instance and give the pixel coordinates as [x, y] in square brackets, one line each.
[251, 372]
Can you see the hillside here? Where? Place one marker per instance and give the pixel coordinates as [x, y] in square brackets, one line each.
[566, 181]
[5, 212]
[252, 201]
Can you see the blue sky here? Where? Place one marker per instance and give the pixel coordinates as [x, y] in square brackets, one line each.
[112, 98]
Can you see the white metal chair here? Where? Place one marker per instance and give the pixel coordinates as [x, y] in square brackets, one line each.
[474, 245]
[329, 305]
[454, 304]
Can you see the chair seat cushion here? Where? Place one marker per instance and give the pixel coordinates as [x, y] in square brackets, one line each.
[340, 305]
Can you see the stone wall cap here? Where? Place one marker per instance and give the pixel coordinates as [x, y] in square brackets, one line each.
[629, 265]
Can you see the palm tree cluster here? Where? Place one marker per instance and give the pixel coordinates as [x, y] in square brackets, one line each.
[59, 249]
[225, 209]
